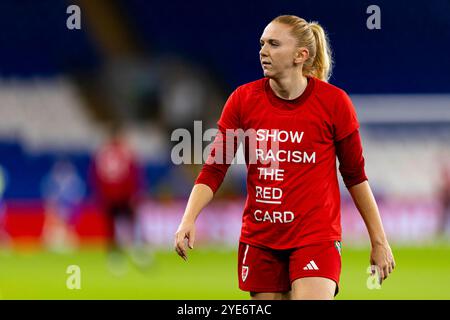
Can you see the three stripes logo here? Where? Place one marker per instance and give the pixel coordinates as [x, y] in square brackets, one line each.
[311, 266]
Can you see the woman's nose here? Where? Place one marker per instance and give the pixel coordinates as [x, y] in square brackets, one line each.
[263, 52]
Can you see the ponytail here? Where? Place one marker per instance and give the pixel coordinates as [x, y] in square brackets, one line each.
[322, 64]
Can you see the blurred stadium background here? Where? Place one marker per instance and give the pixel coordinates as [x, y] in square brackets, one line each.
[154, 66]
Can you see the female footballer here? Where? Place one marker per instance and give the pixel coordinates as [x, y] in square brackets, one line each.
[291, 233]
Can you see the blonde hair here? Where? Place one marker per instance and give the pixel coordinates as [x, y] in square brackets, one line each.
[311, 36]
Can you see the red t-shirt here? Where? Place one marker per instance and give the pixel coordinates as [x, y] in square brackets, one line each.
[295, 200]
[115, 173]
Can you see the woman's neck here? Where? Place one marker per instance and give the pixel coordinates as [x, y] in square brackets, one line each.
[289, 88]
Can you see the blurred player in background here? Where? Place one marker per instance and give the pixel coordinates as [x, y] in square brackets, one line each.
[63, 191]
[118, 183]
[290, 240]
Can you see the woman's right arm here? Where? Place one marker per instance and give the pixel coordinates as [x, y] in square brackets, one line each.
[200, 196]
[205, 186]
[211, 175]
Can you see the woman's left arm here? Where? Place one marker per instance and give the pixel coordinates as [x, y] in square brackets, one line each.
[351, 165]
[381, 253]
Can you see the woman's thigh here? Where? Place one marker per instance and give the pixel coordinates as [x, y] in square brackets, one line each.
[313, 288]
[270, 295]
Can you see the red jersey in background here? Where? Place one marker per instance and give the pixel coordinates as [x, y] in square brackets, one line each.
[116, 174]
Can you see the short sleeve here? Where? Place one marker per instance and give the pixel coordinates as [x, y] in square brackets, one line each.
[345, 117]
[230, 117]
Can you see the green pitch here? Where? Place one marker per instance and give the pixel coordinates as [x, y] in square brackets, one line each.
[421, 273]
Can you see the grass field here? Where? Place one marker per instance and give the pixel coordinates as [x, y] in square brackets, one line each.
[421, 273]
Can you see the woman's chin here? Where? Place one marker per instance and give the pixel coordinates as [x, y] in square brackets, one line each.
[268, 73]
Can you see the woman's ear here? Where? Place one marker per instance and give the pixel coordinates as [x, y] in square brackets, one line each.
[301, 55]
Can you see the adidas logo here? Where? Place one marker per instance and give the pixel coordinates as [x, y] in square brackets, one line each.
[311, 266]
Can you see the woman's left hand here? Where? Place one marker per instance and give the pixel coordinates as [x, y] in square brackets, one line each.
[381, 256]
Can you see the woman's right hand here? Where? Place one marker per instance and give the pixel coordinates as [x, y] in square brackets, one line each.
[200, 196]
[186, 230]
